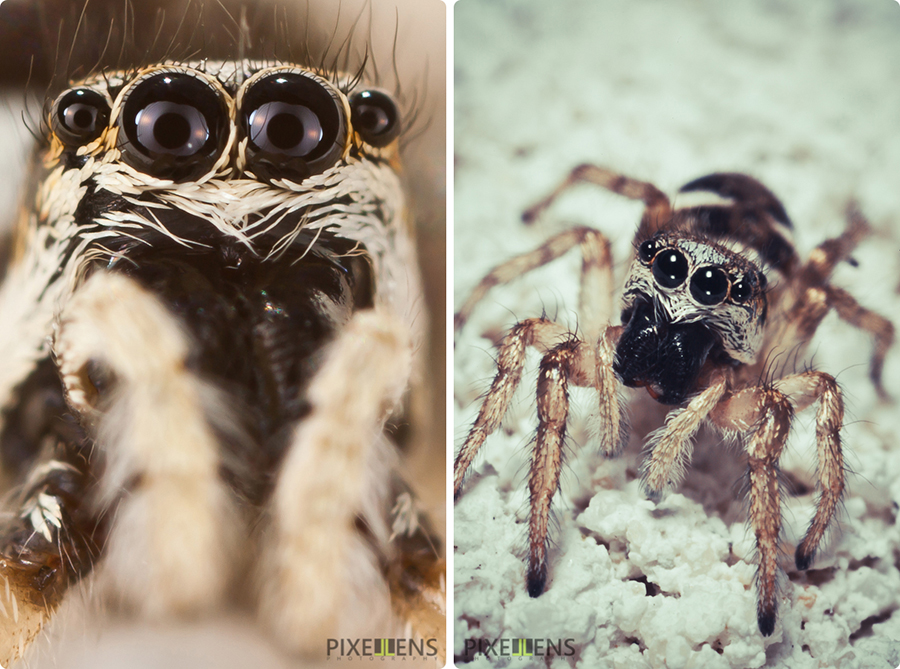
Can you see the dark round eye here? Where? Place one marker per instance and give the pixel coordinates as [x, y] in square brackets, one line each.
[741, 291]
[375, 117]
[171, 128]
[295, 127]
[291, 130]
[79, 116]
[709, 285]
[174, 126]
[647, 250]
[670, 268]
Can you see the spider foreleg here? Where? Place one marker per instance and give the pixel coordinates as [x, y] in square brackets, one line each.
[804, 389]
[538, 332]
[671, 446]
[609, 425]
[151, 423]
[323, 577]
[766, 414]
[546, 460]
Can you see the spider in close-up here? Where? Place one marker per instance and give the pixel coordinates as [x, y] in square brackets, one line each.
[716, 307]
[214, 339]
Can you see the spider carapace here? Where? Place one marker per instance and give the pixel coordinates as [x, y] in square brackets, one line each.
[715, 291]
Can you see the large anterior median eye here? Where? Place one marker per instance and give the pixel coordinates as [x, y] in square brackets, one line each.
[709, 285]
[174, 126]
[79, 116]
[670, 268]
[278, 127]
[294, 125]
[171, 128]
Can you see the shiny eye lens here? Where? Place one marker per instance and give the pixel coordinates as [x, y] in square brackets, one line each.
[646, 250]
[709, 285]
[741, 291]
[174, 126]
[670, 268]
[294, 126]
[167, 127]
[80, 116]
[282, 128]
[375, 117]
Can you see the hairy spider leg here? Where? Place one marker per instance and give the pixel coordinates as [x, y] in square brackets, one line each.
[339, 453]
[581, 363]
[814, 297]
[804, 390]
[656, 214]
[158, 443]
[49, 543]
[539, 332]
[669, 448]
[596, 293]
[610, 424]
[767, 415]
[546, 458]
[881, 329]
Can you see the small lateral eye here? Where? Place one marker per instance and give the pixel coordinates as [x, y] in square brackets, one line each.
[375, 117]
[647, 250]
[741, 291]
[709, 285]
[670, 268]
[79, 116]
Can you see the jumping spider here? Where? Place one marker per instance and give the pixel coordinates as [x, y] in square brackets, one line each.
[714, 290]
[210, 310]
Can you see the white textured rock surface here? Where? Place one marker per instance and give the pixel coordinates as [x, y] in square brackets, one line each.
[804, 97]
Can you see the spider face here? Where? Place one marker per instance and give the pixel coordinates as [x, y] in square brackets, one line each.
[222, 313]
[685, 300]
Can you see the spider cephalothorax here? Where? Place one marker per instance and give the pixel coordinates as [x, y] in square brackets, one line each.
[211, 313]
[687, 299]
[701, 323]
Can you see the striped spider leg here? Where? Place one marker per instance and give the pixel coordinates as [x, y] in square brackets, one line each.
[584, 359]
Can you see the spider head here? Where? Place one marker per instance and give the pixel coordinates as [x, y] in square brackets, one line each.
[687, 301]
